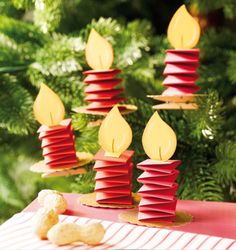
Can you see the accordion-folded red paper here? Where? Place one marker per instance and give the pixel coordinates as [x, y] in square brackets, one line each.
[103, 95]
[182, 56]
[158, 200]
[58, 144]
[101, 91]
[113, 178]
[116, 199]
[104, 104]
[181, 72]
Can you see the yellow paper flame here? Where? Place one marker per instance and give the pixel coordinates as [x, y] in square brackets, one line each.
[159, 139]
[183, 31]
[48, 107]
[115, 134]
[98, 51]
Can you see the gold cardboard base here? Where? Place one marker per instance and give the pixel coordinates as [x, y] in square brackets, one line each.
[186, 102]
[128, 109]
[172, 105]
[83, 159]
[131, 216]
[90, 200]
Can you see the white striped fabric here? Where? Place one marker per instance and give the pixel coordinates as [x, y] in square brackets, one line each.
[16, 233]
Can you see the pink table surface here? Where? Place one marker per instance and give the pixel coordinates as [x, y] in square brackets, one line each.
[212, 218]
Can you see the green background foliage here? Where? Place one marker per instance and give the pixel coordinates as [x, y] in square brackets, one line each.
[44, 41]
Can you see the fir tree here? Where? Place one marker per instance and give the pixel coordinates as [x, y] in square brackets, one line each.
[50, 48]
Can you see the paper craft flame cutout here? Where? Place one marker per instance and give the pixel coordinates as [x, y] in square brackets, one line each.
[98, 51]
[115, 134]
[183, 31]
[159, 139]
[48, 107]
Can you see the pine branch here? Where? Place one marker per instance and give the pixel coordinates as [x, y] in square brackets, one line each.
[13, 57]
[87, 136]
[84, 183]
[22, 32]
[231, 68]
[23, 4]
[47, 14]
[61, 56]
[226, 163]
[8, 190]
[199, 182]
[228, 6]
[208, 120]
[16, 107]
[9, 9]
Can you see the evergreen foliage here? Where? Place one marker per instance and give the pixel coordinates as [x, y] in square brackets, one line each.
[49, 49]
[228, 6]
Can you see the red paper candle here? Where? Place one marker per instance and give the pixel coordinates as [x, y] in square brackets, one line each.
[183, 61]
[181, 72]
[58, 144]
[113, 162]
[102, 92]
[55, 133]
[114, 178]
[158, 200]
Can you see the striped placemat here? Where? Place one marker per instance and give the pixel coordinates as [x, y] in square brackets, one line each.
[16, 233]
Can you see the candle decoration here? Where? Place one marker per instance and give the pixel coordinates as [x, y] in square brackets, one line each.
[157, 207]
[56, 134]
[181, 62]
[113, 164]
[158, 201]
[114, 178]
[101, 82]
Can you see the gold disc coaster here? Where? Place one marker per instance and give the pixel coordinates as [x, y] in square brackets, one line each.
[172, 105]
[90, 200]
[83, 159]
[131, 216]
[187, 102]
[174, 98]
[128, 109]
